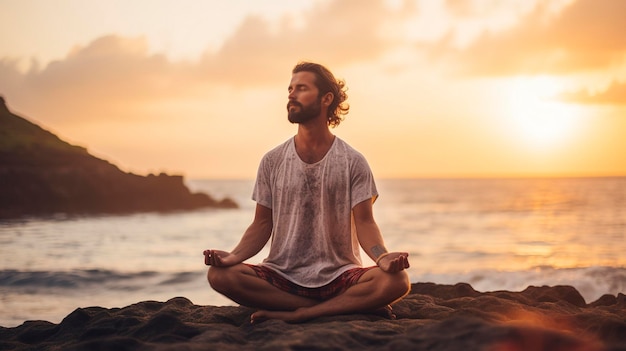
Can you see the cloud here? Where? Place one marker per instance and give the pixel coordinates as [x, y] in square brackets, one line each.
[338, 33]
[115, 72]
[586, 35]
[480, 8]
[108, 72]
[614, 94]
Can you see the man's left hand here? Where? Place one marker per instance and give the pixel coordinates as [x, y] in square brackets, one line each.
[394, 262]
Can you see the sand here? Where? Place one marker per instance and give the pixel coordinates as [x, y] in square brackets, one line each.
[431, 317]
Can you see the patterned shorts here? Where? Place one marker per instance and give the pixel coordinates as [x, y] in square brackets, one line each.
[339, 285]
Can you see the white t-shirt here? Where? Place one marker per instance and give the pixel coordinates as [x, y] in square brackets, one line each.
[313, 239]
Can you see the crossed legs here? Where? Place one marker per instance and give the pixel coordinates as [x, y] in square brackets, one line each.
[375, 289]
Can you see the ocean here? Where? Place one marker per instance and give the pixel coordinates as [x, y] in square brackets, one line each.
[495, 234]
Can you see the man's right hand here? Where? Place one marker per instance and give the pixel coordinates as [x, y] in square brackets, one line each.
[219, 258]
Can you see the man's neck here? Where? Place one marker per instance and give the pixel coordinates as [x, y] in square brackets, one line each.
[313, 142]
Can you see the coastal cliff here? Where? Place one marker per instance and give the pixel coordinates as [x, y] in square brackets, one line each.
[40, 174]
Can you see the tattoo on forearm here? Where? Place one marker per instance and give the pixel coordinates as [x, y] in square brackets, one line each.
[378, 250]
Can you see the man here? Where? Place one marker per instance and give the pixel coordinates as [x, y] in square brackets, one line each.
[314, 197]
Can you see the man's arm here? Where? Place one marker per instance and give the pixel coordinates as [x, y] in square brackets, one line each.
[371, 240]
[252, 241]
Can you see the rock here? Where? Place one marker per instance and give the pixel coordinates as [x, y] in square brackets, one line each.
[431, 317]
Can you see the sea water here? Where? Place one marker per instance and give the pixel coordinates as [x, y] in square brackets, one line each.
[496, 234]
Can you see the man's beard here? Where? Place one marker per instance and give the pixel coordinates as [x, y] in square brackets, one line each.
[304, 114]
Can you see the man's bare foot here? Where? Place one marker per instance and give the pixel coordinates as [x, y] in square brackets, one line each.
[299, 315]
[287, 316]
[385, 312]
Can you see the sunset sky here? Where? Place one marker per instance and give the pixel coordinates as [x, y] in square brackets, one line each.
[452, 88]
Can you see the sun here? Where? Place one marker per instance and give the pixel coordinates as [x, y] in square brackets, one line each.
[536, 119]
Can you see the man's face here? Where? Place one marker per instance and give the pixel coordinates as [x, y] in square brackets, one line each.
[304, 104]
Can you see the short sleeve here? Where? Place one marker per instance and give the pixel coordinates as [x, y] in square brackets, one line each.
[363, 186]
[262, 192]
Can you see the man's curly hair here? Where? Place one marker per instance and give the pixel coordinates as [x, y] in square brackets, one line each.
[326, 82]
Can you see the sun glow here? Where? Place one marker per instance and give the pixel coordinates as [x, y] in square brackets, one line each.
[535, 118]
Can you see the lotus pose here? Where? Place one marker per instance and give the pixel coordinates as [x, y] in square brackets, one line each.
[314, 195]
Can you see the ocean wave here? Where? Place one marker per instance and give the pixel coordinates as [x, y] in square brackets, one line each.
[91, 277]
[591, 282]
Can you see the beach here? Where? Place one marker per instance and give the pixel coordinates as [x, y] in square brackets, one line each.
[431, 317]
[495, 234]
[137, 281]
[487, 135]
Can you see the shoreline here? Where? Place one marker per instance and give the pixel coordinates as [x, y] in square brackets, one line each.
[432, 316]
[51, 295]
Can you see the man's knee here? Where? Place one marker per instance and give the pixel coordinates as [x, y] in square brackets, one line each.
[226, 280]
[399, 284]
[218, 278]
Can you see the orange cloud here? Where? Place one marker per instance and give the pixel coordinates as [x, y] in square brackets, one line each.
[110, 71]
[614, 94]
[586, 35]
[115, 73]
[337, 33]
[471, 8]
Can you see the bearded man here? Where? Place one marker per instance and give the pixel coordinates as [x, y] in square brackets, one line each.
[314, 196]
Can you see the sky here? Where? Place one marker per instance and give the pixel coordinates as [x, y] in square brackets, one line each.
[450, 88]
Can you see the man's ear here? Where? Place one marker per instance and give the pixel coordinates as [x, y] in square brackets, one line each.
[327, 99]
